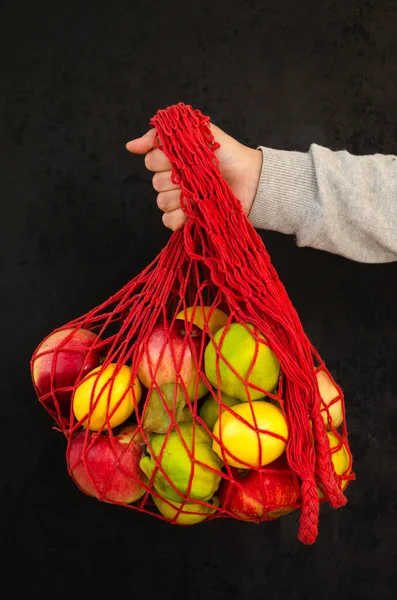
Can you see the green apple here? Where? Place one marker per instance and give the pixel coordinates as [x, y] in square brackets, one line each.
[210, 409]
[244, 360]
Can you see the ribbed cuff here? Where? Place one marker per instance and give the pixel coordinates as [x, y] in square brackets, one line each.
[287, 191]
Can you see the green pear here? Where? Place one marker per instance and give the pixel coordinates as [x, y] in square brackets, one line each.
[156, 417]
[210, 409]
[178, 464]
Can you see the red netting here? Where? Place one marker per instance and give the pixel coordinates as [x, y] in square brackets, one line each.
[193, 392]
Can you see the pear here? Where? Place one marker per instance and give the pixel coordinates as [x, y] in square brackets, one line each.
[187, 513]
[185, 456]
[156, 417]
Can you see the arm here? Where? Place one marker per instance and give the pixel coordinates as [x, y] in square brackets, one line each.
[332, 201]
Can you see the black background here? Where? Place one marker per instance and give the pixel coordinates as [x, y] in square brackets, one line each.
[79, 80]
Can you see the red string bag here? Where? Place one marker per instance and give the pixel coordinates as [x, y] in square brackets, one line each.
[137, 383]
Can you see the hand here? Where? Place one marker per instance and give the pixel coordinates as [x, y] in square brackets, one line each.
[240, 167]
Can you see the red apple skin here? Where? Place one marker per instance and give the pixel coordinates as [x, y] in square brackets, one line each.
[110, 471]
[258, 495]
[74, 357]
[161, 346]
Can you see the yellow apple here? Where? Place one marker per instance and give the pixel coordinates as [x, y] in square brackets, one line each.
[330, 411]
[199, 315]
[239, 361]
[340, 459]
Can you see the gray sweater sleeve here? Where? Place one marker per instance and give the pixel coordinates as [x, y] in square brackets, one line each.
[332, 201]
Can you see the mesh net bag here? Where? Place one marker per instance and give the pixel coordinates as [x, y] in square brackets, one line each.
[193, 392]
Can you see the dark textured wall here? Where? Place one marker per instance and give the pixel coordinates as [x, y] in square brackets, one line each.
[79, 79]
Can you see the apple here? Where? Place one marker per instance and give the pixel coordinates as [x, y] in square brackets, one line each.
[254, 495]
[167, 347]
[251, 434]
[211, 408]
[205, 317]
[106, 468]
[59, 360]
[331, 401]
[341, 461]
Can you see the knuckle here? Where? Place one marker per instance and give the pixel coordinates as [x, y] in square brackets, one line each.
[156, 182]
[149, 161]
[167, 220]
[181, 220]
[161, 201]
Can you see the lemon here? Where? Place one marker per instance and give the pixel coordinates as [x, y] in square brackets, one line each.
[188, 511]
[240, 440]
[99, 393]
[214, 317]
[178, 464]
[253, 362]
[340, 459]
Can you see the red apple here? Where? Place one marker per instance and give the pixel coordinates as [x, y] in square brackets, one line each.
[169, 352]
[64, 355]
[108, 468]
[254, 495]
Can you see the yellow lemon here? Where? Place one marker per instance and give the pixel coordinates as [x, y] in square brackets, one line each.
[240, 440]
[100, 392]
[243, 362]
[328, 393]
[340, 459]
[190, 513]
[215, 317]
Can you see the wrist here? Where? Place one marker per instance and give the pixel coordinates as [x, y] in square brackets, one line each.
[287, 192]
[252, 176]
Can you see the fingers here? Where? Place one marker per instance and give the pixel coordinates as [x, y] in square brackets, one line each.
[156, 160]
[161, 182]
[143, 144]
[175, 220]
[169, 201]
[169, 197]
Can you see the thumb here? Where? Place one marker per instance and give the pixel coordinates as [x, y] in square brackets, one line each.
[143, 144]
